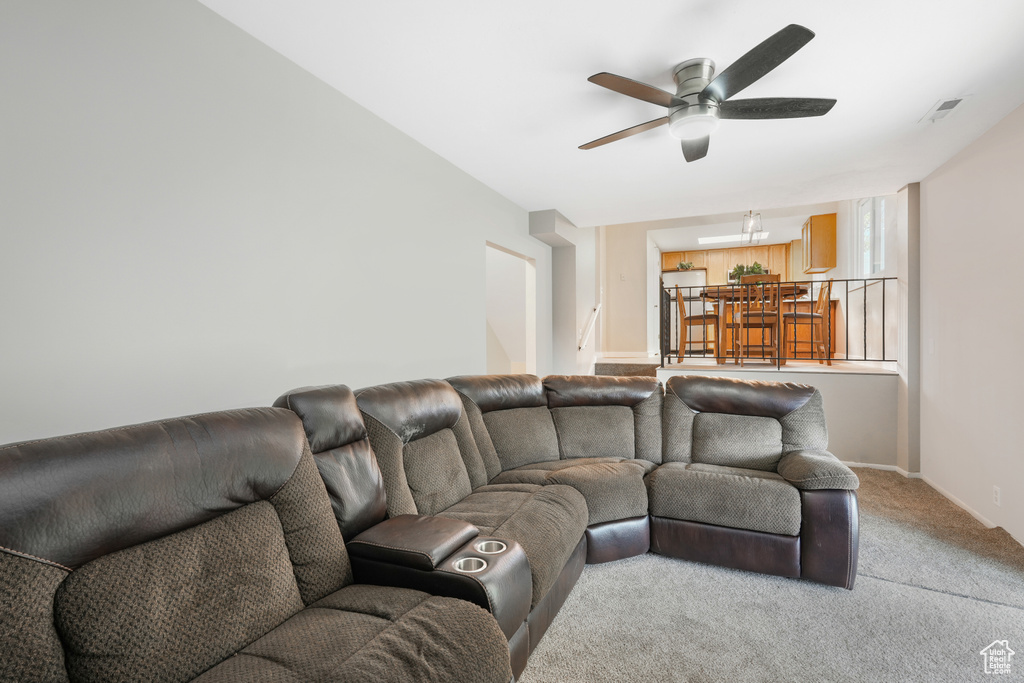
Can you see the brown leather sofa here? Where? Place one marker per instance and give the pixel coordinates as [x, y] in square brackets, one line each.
[590, 468]
[204, 548]
[207, 548]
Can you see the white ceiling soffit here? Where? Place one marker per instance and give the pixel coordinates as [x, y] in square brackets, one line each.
[682, 234]
[500, 90]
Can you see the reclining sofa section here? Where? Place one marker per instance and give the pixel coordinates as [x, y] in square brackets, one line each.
[747, 482]
[441, 509]
[599, 435]
[204, 548]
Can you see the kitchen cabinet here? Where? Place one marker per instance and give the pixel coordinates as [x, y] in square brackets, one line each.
[796, 260]
[719, 262]
[718, 270]
[778, 260]
[818, 239]
[671, 259]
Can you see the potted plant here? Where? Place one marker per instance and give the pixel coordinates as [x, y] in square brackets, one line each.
[740, 270]
[685, 265]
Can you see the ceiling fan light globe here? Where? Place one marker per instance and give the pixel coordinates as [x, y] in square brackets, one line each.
[693, 123]
[694, 126]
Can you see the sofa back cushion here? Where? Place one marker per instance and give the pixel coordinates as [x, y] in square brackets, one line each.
[718, 420]
[176, 544]
[422, 443]
[509, 419]
[599, 416]
[341, 448]
[753, 443]
[172, 608]
[595, 431]
[522, 436]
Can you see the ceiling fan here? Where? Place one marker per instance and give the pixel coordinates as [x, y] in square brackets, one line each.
[702, 98]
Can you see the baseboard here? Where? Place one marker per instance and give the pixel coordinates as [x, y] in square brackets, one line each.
[887, 468]
[612, 355]
[971, 511]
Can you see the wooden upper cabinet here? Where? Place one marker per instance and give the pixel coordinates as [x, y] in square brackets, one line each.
[778, 260]
[716, 262]
[719, 262]
[819, 243]
[697, 258]
[796, 260]
[671, 259]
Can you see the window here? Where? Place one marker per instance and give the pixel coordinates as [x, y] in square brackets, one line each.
[871, 235]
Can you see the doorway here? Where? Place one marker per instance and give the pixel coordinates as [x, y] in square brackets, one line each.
[511, 312]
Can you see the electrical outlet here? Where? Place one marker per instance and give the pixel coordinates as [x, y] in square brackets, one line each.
[996, 495]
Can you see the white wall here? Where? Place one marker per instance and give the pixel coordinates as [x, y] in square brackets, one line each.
[573, 289]
[506, 312]
[193, 223]
[624, 281]
[586, 297]
[972, 370]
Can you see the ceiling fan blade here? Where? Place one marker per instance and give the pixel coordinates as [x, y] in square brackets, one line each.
[626, 133]
[757, 62]
[774, 108]
[631, 88]
[695, 149]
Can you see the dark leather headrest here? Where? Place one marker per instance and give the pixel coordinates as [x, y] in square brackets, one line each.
[738, 396]
[412, 410]
[593, 390]
[329, 415]
[71, 499]
[501, 392]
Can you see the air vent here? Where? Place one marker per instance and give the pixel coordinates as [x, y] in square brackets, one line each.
[943, 109]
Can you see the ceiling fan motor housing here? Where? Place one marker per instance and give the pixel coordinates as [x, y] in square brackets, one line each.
[694, 118]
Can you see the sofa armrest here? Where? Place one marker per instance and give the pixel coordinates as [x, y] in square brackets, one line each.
[415, 541]
[447, 557]
[811, 470]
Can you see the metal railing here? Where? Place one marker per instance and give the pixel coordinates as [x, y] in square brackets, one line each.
[777, 322]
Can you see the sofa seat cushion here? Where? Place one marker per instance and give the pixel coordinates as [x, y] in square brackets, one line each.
[375, 633]
[547, 521]
[614, 490]
[613, 487]
[537, 473]
[725, 496]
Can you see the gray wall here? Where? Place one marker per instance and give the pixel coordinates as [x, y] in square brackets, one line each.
[190, 222]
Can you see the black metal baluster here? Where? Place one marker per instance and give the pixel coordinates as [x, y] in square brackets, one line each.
[847, 312]
[865, 289]
[883, 319]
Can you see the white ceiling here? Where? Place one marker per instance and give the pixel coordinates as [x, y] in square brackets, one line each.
[499, 89]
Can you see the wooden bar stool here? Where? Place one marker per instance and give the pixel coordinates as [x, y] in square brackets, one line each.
[704, 319]
[758, 310]
[816, 319]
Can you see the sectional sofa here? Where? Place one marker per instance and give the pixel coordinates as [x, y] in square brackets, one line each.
[426, 530]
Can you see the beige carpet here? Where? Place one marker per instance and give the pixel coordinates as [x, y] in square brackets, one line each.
[934, 589]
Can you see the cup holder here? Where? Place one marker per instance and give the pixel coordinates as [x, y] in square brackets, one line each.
[490, 547]
[470, 565]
